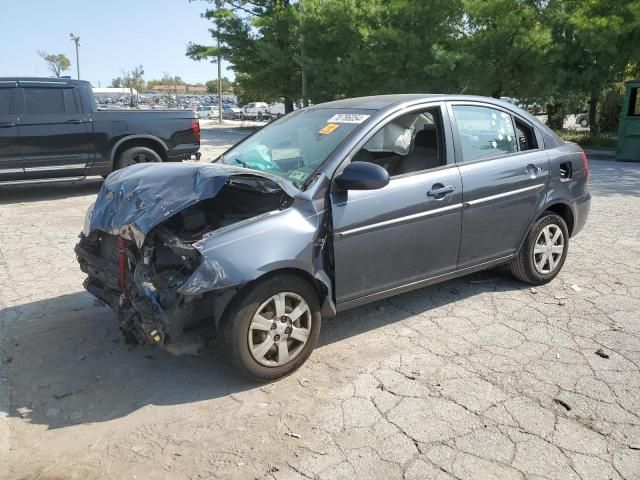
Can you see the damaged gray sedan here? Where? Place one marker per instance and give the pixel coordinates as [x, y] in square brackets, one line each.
[328, 208]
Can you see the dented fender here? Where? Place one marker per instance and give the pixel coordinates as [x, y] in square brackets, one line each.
[292, 239]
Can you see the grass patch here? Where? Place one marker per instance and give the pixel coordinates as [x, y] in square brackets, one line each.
[603, 141]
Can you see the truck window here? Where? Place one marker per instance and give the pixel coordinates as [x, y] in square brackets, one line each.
[5, 100]
[70, 100]
[44, 101]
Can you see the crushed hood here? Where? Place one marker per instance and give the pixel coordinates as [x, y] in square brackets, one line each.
[134, 200]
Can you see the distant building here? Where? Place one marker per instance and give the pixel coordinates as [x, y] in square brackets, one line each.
[114, 92]
[196, 89]
[175, 88]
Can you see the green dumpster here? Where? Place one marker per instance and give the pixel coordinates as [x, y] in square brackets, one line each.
[629, 132]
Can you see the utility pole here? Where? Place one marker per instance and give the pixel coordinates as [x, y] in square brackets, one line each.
[76, 40]
[219, 83]
[218, 4]
[303, 73]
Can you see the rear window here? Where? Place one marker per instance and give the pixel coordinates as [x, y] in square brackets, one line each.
[484, 132]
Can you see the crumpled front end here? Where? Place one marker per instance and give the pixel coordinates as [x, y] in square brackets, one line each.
[141, 284]
[142, 276]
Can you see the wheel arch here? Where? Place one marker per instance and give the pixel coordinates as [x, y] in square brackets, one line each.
[154, 143]
[320, 283]
[565, 211]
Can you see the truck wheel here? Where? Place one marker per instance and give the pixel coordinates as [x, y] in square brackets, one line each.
[584, 123]
[135, 155]
[544, 251]
[272, 328]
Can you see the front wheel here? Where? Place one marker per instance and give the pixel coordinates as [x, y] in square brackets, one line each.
[544, 251]
[272, 328]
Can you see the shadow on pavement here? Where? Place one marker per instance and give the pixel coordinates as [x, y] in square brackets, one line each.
[68, 364]
[11, 194]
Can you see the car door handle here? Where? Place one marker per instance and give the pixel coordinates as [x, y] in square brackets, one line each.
[533, 170]
[7, 125]
[75, 121]
[436, 192]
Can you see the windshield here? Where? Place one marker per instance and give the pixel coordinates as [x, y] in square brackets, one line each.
[295, 146]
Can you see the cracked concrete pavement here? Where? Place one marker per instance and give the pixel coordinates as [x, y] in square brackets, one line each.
[480, 377]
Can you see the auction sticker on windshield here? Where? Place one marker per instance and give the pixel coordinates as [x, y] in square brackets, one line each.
[348, 118]
[328, 128]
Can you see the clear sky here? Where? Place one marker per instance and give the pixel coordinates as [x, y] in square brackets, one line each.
[115, 35]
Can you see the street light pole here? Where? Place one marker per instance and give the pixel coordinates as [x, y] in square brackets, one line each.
[218, 6]
[76, 40]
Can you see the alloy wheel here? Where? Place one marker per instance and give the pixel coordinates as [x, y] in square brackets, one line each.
[548, 249]
[279, 329]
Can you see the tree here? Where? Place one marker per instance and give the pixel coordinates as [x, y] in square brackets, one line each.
[260, 39]
[592, 46]
[212, 85]
[366, 47]
[503, 45]
[166, 80]
[132, 79]
[56, 63]
[117, 82]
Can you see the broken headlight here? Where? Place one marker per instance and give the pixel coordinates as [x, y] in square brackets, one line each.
[86, 227]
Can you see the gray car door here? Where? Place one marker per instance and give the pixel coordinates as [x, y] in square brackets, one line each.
[405, 232]
[505, 178]
[10, 161]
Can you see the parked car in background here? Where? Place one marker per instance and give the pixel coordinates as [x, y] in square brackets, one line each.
[208, 112]
[582, 119]
[254, 111]
[51, 128]
[275, 110]
[334, 206]
[232, 112]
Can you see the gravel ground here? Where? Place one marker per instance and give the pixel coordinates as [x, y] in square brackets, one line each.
[480, 377]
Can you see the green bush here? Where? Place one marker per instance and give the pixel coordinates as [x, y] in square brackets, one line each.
[605, 140]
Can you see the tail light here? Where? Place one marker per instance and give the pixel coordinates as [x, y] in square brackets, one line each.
[195, 129]
[585, 164]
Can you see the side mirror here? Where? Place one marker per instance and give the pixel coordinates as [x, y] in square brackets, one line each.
[362, 176]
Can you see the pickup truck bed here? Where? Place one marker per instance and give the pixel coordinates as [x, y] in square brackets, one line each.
[51, 129]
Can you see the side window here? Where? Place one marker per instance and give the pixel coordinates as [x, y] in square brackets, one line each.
[70, 101]
[408, 144]
[44, 100]
[6, 97]
[526, 137]
[634, 103]
[484, 132]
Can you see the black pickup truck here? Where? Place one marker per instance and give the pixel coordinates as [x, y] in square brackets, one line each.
[51, 129]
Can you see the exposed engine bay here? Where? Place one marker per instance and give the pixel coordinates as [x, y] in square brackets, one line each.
[142, 282]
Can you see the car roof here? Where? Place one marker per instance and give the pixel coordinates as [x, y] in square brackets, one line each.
[397, 101]
[41, 79]
[382, 102]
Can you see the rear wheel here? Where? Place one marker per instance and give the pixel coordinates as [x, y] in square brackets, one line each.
[584, 123]
[273, 327]
[544, 251]
[135, 155]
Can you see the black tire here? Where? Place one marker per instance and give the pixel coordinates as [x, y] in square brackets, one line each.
[523, 267]
[234, 328]
[135, 155]
[584, 123]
